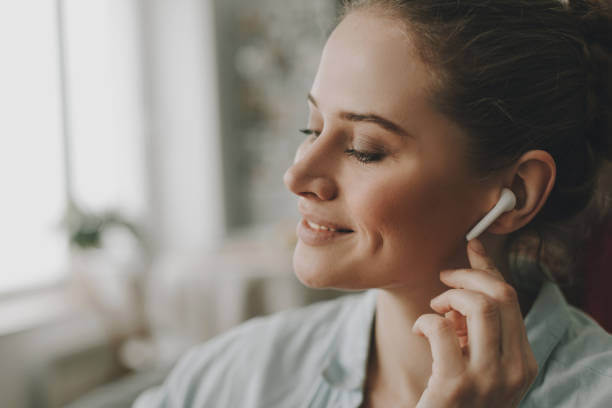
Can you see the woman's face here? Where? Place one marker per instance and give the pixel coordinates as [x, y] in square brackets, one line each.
[407, 196]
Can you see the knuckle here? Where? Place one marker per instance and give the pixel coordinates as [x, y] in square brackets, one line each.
[520, 378]
[489, 385]
[533, 369]
[461, 389]
[516, 380]
[505, 293]
[441, 324]
[485, 306]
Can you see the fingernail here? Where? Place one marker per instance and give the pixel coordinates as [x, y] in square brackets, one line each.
[477, 247]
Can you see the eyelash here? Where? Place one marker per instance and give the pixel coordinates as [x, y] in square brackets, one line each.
[363, 157]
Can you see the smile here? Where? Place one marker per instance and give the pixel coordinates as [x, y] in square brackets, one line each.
[317, 226]
[314, 234]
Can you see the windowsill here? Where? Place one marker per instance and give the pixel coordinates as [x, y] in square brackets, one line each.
[33, 289]
[33, 308]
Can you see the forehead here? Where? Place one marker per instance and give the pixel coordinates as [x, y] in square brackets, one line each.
[369, 63]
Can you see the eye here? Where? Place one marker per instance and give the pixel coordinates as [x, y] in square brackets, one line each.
[310, 132]
[364, 157]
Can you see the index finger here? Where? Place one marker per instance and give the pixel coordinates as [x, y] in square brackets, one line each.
[479, 259]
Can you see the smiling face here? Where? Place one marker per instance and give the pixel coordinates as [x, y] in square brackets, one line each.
[402, 186]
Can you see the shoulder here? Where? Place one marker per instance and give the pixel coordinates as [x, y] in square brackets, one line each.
[578, 371]
[587, 343]
[585, 349]
[287, 335]
[266, 354]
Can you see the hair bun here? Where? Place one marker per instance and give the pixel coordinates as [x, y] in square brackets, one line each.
[595, 19]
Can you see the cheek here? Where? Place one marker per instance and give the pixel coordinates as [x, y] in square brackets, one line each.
[411, 215]
[390, 211]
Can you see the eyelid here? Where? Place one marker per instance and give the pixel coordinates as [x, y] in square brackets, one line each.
[364, 157]
[310, 132]
[372, 145]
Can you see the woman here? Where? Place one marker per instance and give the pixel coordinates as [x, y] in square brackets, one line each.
[421, 112]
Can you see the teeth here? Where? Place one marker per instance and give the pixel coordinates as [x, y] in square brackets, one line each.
[321, 227]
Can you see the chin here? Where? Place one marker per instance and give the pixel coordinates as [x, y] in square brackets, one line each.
[316, 273]
[309, 273]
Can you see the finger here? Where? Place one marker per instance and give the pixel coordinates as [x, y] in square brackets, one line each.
[479, 259]
[440, 332]
[512, 324]
[482, 319]
[460, 326]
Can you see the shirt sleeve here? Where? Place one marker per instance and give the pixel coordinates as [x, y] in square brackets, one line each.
[174, 391]
[153, 397]
[202, 376]
[267, 361]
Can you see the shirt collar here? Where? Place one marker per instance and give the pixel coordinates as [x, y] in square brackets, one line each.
[547, 321]
[346, 365]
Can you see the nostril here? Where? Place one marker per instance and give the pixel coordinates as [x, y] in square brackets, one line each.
[307, 194]
[305, 184]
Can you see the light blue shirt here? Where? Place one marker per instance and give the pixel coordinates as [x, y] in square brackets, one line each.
[316, 356]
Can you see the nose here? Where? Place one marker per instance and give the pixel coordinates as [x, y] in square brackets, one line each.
[310, 174]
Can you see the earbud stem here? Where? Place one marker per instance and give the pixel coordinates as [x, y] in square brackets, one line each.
[506, 202]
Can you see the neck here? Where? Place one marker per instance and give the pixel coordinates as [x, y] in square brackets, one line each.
[399, 363]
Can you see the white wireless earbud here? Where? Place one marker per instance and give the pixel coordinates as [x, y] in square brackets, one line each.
[506, 202]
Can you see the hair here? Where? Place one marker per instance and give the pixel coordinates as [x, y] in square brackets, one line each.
[519, 75]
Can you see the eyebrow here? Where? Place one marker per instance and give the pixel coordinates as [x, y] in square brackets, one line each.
[369, 117]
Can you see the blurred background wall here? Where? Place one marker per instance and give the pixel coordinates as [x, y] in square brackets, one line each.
[142, 148]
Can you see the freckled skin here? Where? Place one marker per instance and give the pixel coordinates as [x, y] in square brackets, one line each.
[411, 210]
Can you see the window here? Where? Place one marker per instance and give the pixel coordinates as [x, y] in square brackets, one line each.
[31, 153]
[94, 154]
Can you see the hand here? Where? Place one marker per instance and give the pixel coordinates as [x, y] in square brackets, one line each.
[481, 355]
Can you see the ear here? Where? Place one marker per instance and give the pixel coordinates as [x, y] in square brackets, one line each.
[531, 179]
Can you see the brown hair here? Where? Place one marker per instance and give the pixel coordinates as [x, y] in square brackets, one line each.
[519, 75]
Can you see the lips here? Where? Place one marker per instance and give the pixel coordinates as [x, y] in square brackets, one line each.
[317, 237]
[319, 221]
